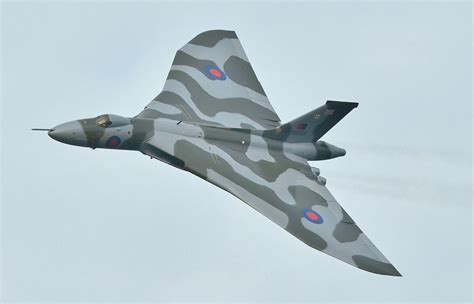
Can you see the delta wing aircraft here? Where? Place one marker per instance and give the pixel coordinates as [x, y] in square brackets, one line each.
[213, 119]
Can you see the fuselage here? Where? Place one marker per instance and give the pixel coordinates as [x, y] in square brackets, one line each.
[110, 131]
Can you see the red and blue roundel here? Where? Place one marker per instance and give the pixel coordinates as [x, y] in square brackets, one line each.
[312, 216]
[214, 72]
[113, 142]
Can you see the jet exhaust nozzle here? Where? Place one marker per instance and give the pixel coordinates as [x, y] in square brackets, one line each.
[327, 151]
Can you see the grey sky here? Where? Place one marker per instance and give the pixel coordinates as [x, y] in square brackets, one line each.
[83, 225]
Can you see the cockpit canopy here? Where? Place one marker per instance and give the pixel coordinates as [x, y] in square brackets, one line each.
[111, 120]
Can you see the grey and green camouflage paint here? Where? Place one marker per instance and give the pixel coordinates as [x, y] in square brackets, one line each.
[213, 119]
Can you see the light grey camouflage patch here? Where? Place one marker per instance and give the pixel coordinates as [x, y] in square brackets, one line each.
[165, 108]
[258, 150]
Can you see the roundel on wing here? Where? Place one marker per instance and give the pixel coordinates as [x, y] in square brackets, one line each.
[214, 73]
[113, 142]
[312, 216]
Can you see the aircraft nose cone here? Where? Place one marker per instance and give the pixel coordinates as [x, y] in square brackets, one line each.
[69, 133]
[54, 134]
[61, 132]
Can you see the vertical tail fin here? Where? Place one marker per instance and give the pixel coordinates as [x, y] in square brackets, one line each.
[313, 125]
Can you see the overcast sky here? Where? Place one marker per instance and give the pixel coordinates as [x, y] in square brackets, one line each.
[94, 226]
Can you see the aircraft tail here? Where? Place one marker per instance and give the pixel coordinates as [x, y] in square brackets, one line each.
[312, 126]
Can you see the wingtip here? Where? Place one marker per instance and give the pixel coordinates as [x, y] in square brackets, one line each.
[386, 270]
[396, 273]
[393, 272]
[375, 266]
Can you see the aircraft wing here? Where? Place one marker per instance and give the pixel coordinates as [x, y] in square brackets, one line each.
[211, 81]
[284, 189]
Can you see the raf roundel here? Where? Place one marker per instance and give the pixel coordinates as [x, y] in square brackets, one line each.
[214, 73]
[312, 216]
[113, 141]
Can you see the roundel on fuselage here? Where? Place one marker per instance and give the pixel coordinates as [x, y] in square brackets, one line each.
[113, 141]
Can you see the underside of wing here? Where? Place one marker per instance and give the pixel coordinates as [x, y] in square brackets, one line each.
[211, 81]
[283, 188]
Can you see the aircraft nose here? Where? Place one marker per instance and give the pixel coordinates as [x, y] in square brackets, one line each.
[69, 133]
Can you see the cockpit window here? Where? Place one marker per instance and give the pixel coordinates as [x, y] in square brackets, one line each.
[111, 120]
[103, 121]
